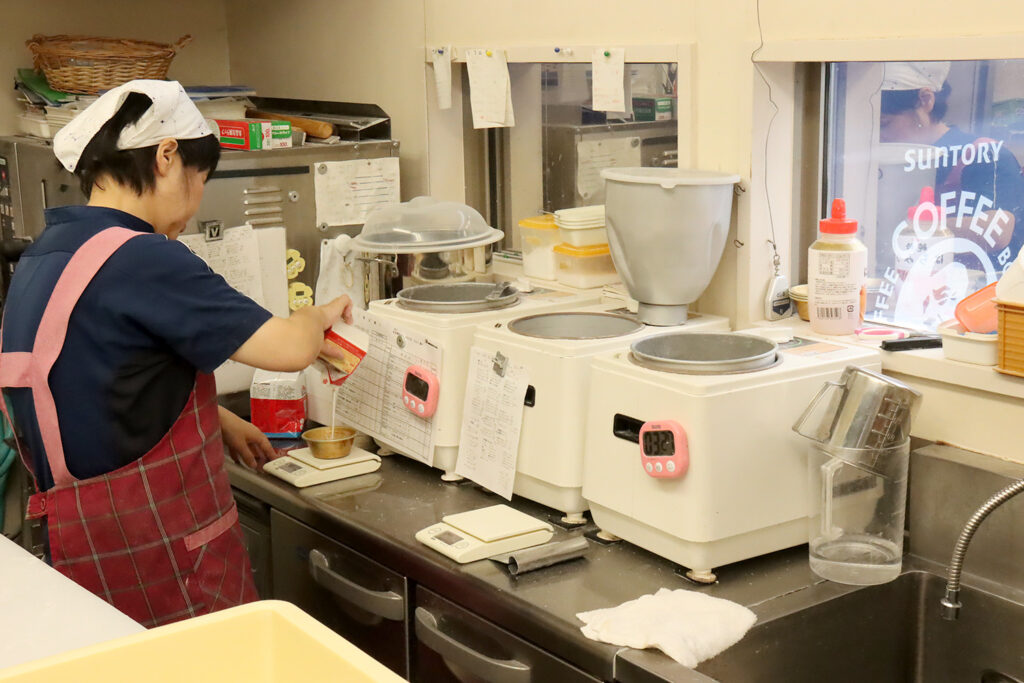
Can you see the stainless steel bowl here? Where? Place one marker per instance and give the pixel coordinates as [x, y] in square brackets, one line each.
[574, 325]
[705, 353]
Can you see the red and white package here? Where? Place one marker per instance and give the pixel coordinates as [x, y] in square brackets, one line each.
[353, 343]
[278, 403]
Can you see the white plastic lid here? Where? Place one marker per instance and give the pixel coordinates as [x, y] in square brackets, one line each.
[668, 177]
[424, 224]
[580, 215]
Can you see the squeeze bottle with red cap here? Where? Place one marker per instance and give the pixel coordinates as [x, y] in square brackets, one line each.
[837, 266]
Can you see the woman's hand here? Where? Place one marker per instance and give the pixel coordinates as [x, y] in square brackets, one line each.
[244, 442]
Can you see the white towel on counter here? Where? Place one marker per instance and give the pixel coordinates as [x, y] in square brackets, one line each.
[686, 625]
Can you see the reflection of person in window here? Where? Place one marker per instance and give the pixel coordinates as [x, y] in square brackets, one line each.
[978, 182]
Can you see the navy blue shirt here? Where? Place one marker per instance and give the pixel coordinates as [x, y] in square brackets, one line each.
[1000, 181]
[152, 316]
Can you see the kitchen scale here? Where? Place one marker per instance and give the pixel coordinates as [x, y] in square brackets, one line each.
[477, 534]
[299, 468]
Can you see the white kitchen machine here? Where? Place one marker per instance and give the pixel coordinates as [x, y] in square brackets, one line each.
[556, 349]
[446, 313]
[689, 451]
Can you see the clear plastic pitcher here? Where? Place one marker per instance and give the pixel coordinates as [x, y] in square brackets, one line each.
[857, 512]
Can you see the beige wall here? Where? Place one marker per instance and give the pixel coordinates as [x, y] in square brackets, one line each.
[344, 51]
[204, 61]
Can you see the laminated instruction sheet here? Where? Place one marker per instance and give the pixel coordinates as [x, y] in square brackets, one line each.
[346, 192]
[236, 257]
[253, 262]
[371, 398]
[594, 155]
[492, 418]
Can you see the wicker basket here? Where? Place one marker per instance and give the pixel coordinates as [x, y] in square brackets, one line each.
[86, 65]
[1011, 339]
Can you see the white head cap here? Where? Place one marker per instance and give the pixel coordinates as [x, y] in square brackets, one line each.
[172, 115]
[914, 75]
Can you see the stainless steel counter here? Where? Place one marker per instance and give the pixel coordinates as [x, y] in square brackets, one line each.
[378, 515]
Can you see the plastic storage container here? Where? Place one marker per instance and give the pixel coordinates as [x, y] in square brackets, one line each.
[265, 641]
[539, 236]
[582, 226]
[968, 347]
[585, 267]
[977, 312]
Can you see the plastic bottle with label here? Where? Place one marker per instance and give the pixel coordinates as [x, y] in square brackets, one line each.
[836, 275]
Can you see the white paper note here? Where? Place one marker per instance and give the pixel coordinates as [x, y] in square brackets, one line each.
[608, 74]
[594, 155]
[492, 418]
[347, 191]
[441, 58]
[236, 257]
[273, 269]
[490, 90]
[371, 398]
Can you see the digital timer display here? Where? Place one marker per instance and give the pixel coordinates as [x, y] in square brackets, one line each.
[417, 387]
[659, 443]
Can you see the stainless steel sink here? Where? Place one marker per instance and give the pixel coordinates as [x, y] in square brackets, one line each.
[892, 632]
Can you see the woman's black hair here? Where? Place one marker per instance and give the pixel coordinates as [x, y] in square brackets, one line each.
[135, 168]
[897, 101]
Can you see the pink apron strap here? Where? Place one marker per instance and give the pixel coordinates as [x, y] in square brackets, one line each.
[34, 369]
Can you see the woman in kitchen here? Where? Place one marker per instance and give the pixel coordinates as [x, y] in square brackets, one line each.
[110, 336]
[914, 102]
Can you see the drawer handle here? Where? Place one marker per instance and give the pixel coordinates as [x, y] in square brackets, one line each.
[384, 604]
[488, 668]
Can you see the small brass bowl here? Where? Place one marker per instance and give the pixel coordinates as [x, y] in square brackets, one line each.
[798, 293]
[328, 445]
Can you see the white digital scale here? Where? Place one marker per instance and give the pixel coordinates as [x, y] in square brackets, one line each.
[478, 534]
[299, 468]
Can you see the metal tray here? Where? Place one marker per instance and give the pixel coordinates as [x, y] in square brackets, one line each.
[704, 353]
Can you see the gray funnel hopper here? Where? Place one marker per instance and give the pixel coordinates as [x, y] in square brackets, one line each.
[666, 231]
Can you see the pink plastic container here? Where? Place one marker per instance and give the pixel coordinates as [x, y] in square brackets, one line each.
[977, 312]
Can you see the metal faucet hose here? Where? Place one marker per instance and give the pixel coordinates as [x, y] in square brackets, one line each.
[951, 601]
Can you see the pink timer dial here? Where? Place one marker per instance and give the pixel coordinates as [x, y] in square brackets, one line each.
[664, 450]
[419, 391]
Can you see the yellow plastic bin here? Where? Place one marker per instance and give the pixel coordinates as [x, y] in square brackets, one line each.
[585, 267]
[539, 236]
[262, 642]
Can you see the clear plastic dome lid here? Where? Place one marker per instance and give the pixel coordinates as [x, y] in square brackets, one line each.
[424, 224]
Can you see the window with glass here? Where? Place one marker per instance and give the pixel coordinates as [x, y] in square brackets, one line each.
[927, 156]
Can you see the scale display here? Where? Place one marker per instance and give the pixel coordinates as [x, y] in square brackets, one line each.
[664, 449]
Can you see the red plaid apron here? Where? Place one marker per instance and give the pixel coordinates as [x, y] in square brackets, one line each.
[158, 538]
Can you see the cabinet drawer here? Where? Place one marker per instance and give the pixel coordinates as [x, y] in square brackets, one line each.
[361, 600]
[453, 644]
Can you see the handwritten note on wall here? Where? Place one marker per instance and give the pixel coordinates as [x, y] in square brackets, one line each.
[346, 192]
[492, 418]
[609, 66]
[490, 90]
[441, 59]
